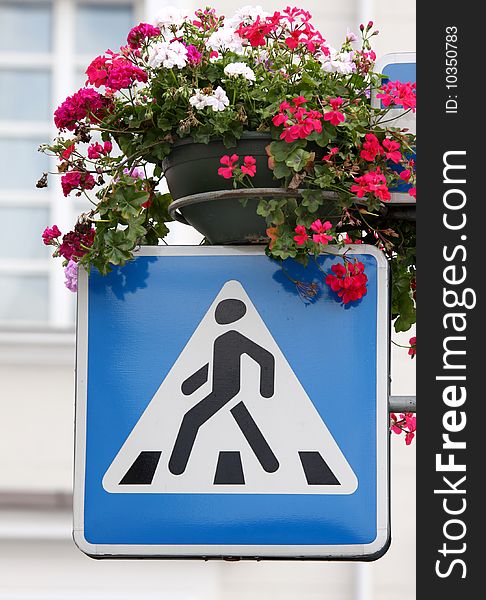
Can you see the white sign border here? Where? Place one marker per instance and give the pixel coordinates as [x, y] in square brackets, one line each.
[370, 551]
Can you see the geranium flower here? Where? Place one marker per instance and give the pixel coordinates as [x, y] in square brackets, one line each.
[249, 168]
[50, 234]
[219, 100]
[302, 236]
[392, 150]
[240, 68]
[319, 228]
[228, 169]
[71, 275]
[168, 55]
[334, 116]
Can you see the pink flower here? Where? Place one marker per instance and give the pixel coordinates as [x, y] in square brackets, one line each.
[76, 180]
[371, 148]
[85, 103]
[115, 72]
[71, 274]
[249, 168]
[400, 94]
[409, 437]
[405, 175]
[229, 162]
[194, 57]
[393, 150]
[373, 182]
[134, 172]
[97, 150]
[141, 32]
[50, 234]
[413, 192]
[319, 228]
[413, 347]
[301, 237]
[334, 116]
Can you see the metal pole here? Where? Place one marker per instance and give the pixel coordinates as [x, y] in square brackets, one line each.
[402, 404]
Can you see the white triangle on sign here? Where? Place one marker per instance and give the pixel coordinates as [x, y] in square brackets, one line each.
[275, 443]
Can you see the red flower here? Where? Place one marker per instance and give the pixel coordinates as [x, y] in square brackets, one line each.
[400, 94]
[405, 175]
[229, 161]
[413, 192]
[68, 151]
[393, 150]
[348, 281]
[76, 243]
[332, 152]
[335, 116]
[249, 168]
[320, 228]
[373, 182]
[371, 148]
[413, 347]
[301, 237]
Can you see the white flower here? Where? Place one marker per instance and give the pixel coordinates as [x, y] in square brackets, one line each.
[245, 14]
[219, 100]
[169, 55]
[337, 62]
[225, 39]
[240, 68]
[199, 100]
[171, 15]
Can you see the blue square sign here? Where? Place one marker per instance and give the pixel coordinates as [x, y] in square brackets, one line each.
[221, 413]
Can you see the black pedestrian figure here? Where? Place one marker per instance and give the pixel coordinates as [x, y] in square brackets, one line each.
[227, 351]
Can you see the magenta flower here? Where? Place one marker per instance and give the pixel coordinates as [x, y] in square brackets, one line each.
[140, 33]
[77, 180]
[194, 57]
[50, 234]
[85, 103]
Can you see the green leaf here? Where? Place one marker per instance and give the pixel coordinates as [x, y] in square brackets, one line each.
[312, 200]
[281, 170]
[282, 150]
[298, 159]
[117, 247]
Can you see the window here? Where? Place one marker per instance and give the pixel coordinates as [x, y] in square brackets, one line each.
[45, 46]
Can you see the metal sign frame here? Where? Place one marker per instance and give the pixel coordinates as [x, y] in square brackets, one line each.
[369, 551]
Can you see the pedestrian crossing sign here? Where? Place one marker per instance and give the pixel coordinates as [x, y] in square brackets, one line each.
[221, 413]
